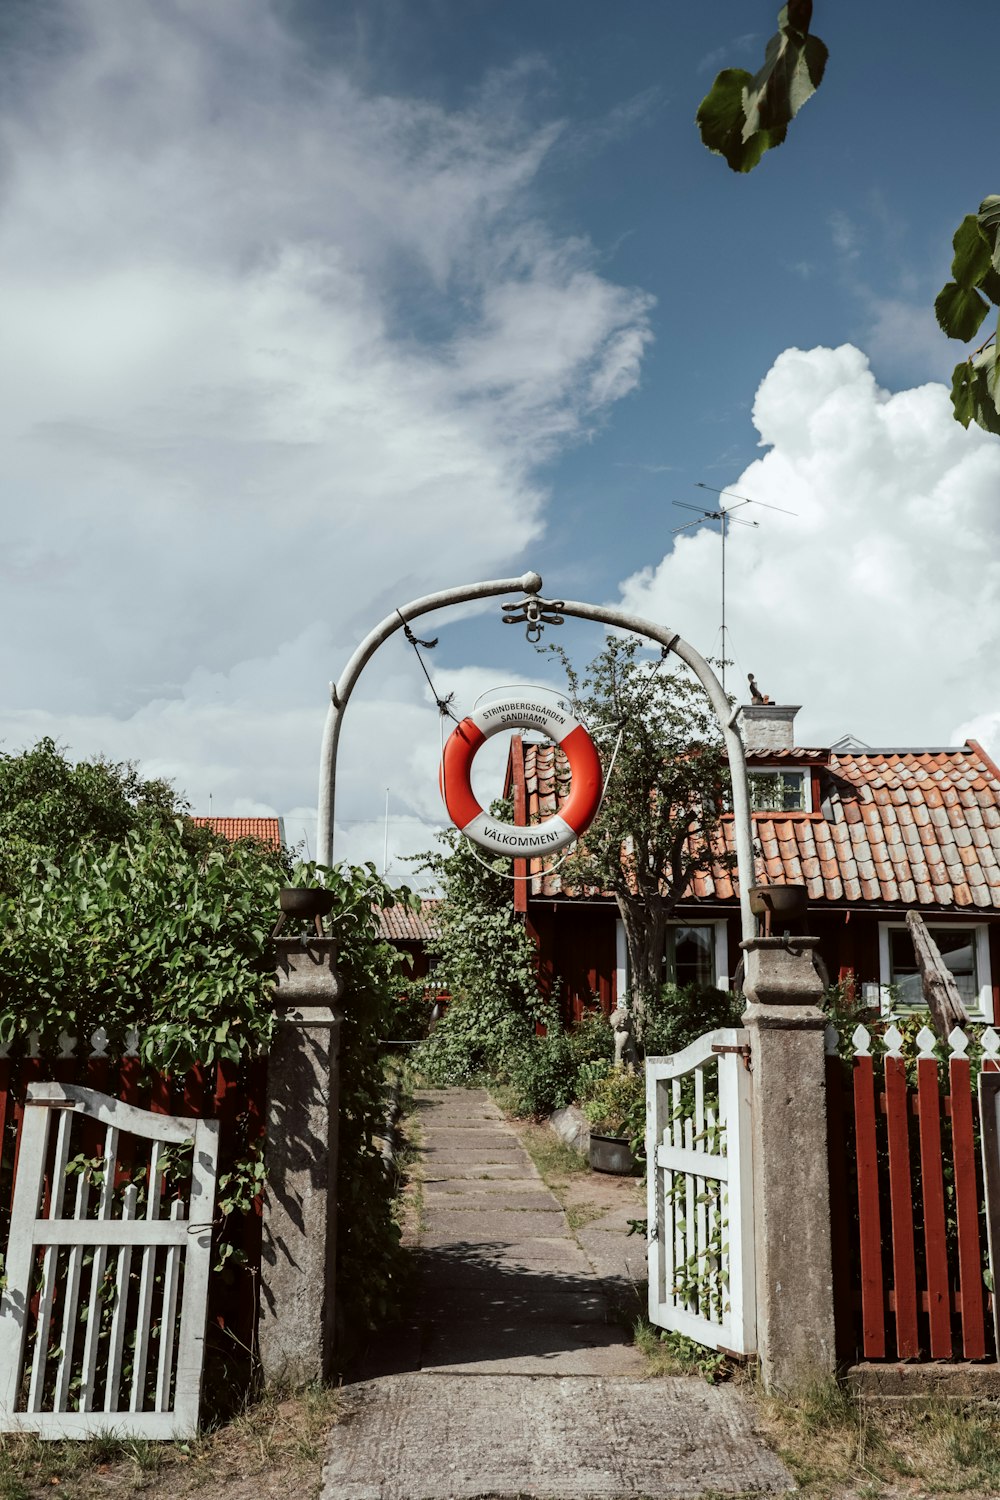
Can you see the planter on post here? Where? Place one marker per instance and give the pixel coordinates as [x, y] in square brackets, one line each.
[298, 1254]
[794, 1275]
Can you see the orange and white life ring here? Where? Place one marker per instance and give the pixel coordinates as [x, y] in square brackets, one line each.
[526, 710]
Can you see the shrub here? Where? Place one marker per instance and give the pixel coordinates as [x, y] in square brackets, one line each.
[615, 1104]
[680, 1014]
[487, 963]
[122, 914]
[545, 1073]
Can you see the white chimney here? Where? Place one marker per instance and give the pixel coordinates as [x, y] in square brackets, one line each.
[768, 726]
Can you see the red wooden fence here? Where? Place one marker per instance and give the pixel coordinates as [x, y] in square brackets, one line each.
[906, 1181]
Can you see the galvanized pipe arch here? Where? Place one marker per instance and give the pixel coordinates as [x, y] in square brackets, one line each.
[601, 614]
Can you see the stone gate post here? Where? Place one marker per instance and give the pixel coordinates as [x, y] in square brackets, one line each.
[794, 1276]
[299, 1249]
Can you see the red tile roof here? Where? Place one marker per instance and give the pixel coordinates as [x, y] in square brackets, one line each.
[270, 831]
[895, 828]
[401, 925]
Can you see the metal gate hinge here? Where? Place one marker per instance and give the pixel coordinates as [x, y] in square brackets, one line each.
[744, 1052]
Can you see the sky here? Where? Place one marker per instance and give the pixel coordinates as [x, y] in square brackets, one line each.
[313, 308]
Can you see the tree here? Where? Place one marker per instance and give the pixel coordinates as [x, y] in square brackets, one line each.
[660, 821]
[486, 962]
[49, 805]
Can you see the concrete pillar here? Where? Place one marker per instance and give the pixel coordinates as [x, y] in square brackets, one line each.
[299, 1249]
[795, 1316]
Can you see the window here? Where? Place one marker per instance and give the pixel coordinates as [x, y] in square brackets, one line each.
[965, 951]
[779, 791]
[695, 954]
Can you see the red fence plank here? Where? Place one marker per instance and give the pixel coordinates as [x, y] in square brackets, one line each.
[904, 1271]
[872, 1292]
[840, 1208]
[967, 1210]
[935, 1235]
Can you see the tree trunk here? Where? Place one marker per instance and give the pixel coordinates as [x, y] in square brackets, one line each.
[645, 939]
[940, 990]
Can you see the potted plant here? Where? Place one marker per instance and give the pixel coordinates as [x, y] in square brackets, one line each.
[615, 1105]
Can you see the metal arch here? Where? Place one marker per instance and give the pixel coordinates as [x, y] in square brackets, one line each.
[531, 583]
[341, 691]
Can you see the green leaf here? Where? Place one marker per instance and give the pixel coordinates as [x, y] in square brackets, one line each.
[742, 116]
[794, 64]
[960, 310]
[972, 253]
[721, 119]
[974, 391]
[989, 223]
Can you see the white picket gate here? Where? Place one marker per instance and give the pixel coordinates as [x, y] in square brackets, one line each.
[137, 1239]
[700, 1177]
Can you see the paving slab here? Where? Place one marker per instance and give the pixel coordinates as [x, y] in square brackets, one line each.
[516, 1346]
[614, 1255]
[490, 1224]
[486, 1137]
[443, 1170]
[574, 1302]
[472, 1202]
[503, 1186]
[488, 1153]
[457, 1436]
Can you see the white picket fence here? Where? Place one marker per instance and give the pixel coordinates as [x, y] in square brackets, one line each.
[700, 1184]
[135, 1241]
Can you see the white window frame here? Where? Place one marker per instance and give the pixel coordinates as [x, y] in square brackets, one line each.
[981, 932]
[721, 926]
[776, 812]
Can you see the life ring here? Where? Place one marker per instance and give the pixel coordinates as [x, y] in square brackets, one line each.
[528, 710]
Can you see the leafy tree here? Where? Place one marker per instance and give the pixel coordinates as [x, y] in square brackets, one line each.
[48, 805]
[486, 961]
[660, 821]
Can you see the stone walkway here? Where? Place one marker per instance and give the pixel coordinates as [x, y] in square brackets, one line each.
[515, 1379]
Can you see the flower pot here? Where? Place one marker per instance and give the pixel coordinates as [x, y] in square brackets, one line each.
[305, 901]
[611, 1153]
[779, 906]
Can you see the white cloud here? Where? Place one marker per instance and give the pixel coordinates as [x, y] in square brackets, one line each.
[278, 354]
[876, 606]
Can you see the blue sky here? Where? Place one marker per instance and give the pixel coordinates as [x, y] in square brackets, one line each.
[314, 308]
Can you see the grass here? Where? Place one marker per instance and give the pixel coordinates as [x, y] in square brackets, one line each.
[834, 1441]
[555, 1161]
[579, 1215]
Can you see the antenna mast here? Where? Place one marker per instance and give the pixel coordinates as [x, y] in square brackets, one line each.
[725, 515]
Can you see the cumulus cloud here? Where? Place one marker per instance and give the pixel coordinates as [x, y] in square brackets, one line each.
[279, 353]
[876, 605]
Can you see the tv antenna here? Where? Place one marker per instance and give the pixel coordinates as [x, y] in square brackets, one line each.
[724, 513]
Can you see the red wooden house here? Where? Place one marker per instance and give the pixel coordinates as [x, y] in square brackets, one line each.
[871, 833]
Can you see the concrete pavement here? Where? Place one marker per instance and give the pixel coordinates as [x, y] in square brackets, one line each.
[514, 1377]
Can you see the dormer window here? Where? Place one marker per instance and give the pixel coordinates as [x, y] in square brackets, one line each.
[779, 790]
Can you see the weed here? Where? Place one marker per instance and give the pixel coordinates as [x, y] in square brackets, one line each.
[671, 1353]
[554, 1160]
[579, 1215]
